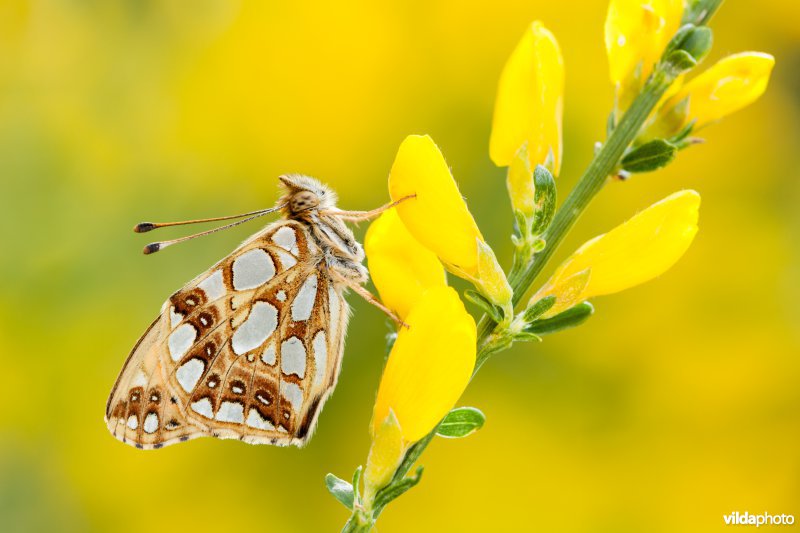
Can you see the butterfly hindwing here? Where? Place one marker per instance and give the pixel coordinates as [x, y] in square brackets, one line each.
[250, 350]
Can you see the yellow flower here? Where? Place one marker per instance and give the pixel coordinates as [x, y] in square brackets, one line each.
[428, 369]
[530, 101]
[640, 249]
[439, 218]
[731, 84]
[636, 33]
[401, 268]
[429, 366]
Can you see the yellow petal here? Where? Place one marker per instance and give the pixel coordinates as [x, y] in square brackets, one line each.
[731, 84]
[438, 217]
[429, 366]
[385, 454]
[640, 249]
[636, 33]
[530, 101]
[521, 188]
[401, 268]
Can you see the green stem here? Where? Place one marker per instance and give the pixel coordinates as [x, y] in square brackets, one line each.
[700, 12]
[359, 522]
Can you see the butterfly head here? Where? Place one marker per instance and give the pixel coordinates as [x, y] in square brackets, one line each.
[304, 194]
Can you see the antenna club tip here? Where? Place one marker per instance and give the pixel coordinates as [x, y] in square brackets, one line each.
[151, 248]
[144, 227]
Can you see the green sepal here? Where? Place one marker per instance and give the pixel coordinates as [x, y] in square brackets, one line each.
[413, 454]
[357, 483]
[679, 61]
[685, 131]
[460, 422]
[539, 308]
[544, 198]
[694, 40]
[677, 39]
[394, 490]
[698, 42]
[524, 336]
[649, 156]
[671, 124]
[481, 301]
[341, 489]
[521, 223]
[574, 316]
[689, 141]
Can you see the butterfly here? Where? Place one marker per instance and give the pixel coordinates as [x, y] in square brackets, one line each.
[251, 348]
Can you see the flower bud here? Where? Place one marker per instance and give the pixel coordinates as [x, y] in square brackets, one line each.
[530, 102]
[636, 34]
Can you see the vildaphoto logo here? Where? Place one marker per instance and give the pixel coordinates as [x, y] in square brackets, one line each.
[746, 519]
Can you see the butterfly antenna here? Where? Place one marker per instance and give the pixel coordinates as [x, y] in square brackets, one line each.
[144, 227]
[154, 247]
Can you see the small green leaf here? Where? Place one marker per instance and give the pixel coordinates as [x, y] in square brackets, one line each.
[676, 40]
[341, 490]
[649, 156]
[394, 490]
[545, 199]
[570, 318]
[357, 484]
[698, 42]
[539, 308]
[680, 61]
[487, 306]
[460, 422]
[524, 336]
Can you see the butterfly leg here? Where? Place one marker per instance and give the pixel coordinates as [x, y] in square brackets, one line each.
[368, 296]
[355, 216]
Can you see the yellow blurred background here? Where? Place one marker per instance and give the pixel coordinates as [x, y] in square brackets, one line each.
[676, 403]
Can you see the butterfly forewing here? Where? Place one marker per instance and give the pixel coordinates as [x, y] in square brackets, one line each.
[250, 350]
